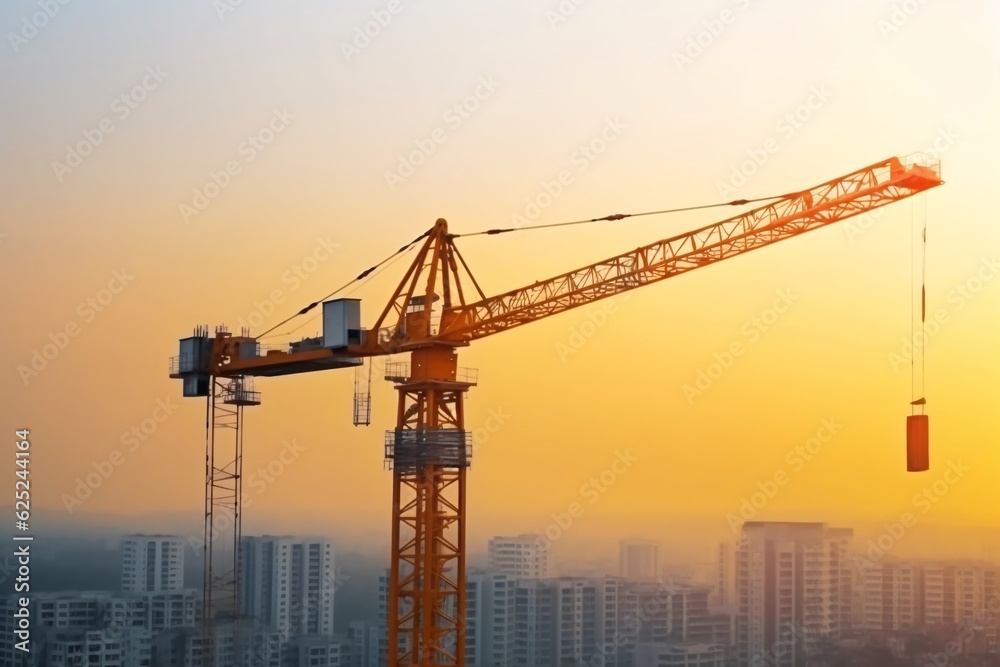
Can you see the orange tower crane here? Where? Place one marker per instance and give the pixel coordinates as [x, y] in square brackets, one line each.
[429, 451]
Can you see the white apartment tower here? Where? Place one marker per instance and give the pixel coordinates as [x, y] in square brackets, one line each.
[489, 619]
[724, 595]
[382, 632]
[288, 583]
[567, 621]
[250, 644]
[152, 563]
[521, 557]
[794, 587]
[891, 595]
[68, 648]
[954, 592]
[638, 560]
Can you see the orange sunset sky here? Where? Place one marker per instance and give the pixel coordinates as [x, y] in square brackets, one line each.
[310, 127]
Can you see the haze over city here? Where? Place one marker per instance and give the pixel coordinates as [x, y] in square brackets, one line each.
[170, 168]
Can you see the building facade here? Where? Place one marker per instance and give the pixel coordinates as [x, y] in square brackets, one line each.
[794, 590]
[288, 583]
[152, 563]
[520, 557]
[638, 560]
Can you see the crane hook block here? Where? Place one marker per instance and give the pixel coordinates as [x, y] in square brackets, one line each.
[917, 449]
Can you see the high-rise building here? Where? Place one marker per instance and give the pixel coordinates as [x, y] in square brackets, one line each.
[110, 626]
[794, 588]
[567, 620]
[382, 633]
[489, 613]
[68, 648]
[639, 560]
[990, 551]
[933, 596]
[680, 655]
[152, 563]
[891, 595]
[585, 620]
[724, 595]
[316, 651]
[363, 644]
[655, 615]
[534, 624]
[288, 583]
[521, 557]
[580, 621]
[227, 646]
[111, 612]
[477, 627]
[954, 592]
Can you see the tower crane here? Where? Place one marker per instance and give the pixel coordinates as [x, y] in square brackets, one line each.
[429, 450]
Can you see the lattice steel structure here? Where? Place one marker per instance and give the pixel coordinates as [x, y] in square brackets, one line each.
[428, 450]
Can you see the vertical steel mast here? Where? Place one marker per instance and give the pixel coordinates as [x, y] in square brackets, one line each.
[429, 453]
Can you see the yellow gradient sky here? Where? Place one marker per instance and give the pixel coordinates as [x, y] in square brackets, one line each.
[682, 108]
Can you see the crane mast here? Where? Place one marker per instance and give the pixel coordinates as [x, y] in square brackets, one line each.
[429, 450]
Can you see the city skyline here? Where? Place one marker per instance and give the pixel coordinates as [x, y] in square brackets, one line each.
[890, 601]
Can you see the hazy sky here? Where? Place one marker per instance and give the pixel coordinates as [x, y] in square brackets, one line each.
[168, 164]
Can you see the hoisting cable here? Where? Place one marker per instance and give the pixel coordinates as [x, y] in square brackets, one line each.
[361, 276]
[622, 216]
[614, 217]
[923, 304]
[382, 268]
[918, 367]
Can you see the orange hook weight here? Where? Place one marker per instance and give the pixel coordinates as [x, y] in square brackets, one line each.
[917, 446]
